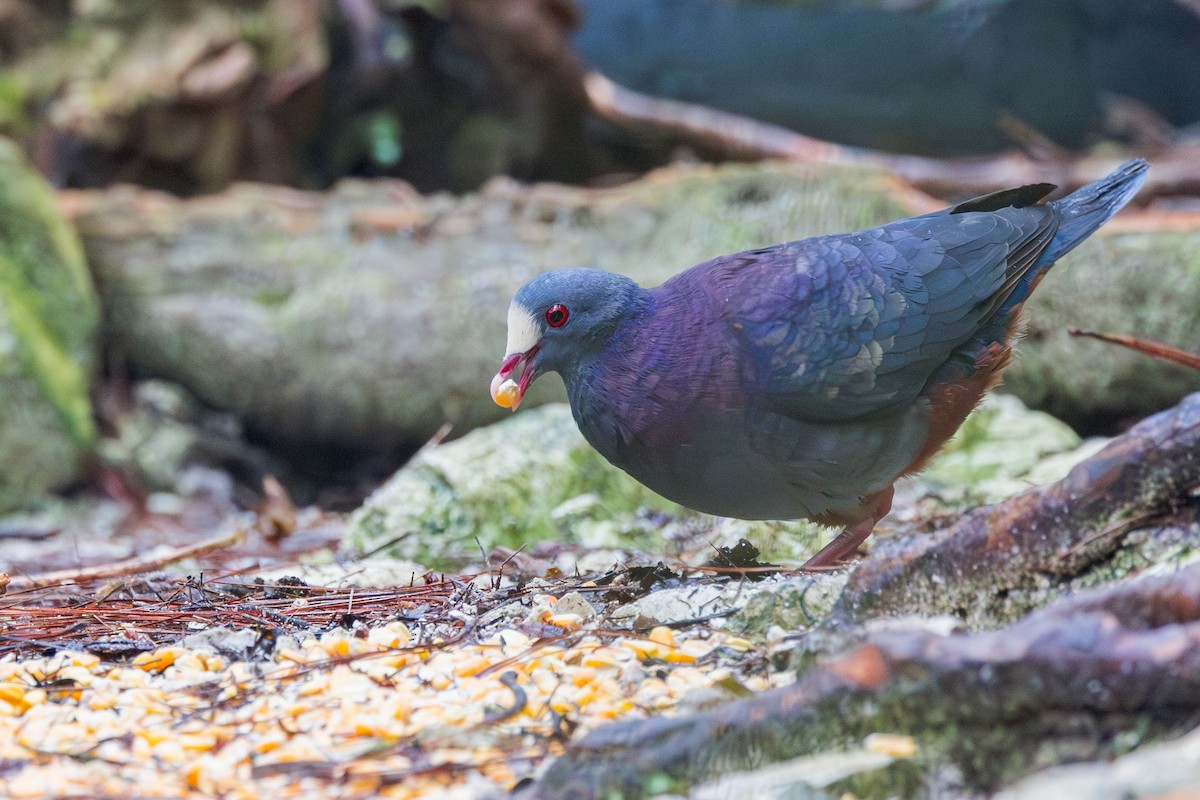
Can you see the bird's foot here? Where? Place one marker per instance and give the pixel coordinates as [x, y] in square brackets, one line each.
[841, 549]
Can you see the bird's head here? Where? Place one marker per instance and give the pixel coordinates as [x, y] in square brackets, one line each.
[556, 321]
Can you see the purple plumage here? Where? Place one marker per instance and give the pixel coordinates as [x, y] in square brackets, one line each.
[801, 380]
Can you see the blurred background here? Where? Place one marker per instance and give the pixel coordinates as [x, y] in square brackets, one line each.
[189, 96]
[278, 237]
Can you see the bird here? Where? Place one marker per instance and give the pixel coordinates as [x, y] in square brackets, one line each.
[801, 380]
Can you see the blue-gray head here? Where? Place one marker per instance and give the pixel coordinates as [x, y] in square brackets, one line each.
[556, 320]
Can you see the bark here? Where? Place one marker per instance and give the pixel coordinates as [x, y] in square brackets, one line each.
[186, 96]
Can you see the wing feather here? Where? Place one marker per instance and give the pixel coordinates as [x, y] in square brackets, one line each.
[839, 327]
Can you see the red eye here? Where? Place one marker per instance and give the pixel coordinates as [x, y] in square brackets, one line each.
[556, 315]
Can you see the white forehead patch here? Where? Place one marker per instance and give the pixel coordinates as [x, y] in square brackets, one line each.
[522, 330]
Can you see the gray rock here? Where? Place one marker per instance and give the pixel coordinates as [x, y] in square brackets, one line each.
[235, 645]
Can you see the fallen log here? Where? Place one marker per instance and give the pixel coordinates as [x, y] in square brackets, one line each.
[723, 135]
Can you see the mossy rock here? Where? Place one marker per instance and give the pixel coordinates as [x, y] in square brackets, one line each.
[48, 319]
[528, 479]
[1143, 283]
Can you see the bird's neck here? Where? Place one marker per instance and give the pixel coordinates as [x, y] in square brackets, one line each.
[603, 381]
[650, 374]
[612, 347]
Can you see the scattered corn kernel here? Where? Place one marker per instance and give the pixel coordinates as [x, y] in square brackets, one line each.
[335, 644]
[663, 635]
[207, 718]
[697, 648]
[569, 622]
[643, 648]
[157, 660]
[896, 745]
[737, 644]
[14, 695]
[606, 657]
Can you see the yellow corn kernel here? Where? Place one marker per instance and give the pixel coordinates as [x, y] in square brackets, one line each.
[696, 647]
[581, 676]
[85, 660]
[472, 666]
[663, 635]
[737, 644]
[14, 695]
[335, 645]
[896, 745]
[157, 660]
[568, 622]
[505, 393]
[394, 634]
[643, 648]
[153, 736]
[606, 657]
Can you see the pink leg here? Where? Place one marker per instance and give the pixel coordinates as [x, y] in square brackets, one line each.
[845, 543]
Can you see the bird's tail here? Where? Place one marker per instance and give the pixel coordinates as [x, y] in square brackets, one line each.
[1091, 206]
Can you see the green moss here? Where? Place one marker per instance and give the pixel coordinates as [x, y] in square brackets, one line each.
[48, 294]
[13, 95]
[529, 479]
[61, 379]
[272, 296]
[48, 319]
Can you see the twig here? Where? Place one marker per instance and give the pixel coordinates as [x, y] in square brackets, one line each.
[520, 700]
[1156, 349]
[436, 440]
[731, 133]
[493, 581]
[130, 566]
